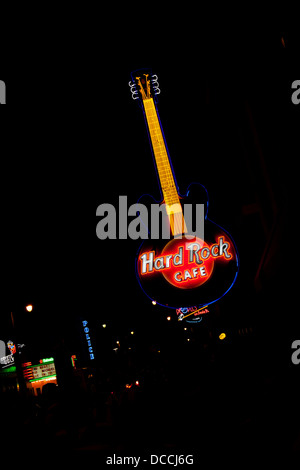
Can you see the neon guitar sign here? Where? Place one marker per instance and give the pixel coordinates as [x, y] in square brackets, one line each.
[186, 270]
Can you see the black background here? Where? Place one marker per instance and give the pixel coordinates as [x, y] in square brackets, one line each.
[72, 138]
[75, 139]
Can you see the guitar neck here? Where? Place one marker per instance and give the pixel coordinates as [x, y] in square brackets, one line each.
[165, 173]
[166, 177]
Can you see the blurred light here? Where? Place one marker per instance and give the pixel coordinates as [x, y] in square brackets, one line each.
[73, 359]
[104, 325]
[169, 318]
[137, 382]
[188, 339]
[132, 332]
[153, 302]
[118, 342]
[29, 308]
[128, 385]
[222, 336]
[283, 41]
[185, 329]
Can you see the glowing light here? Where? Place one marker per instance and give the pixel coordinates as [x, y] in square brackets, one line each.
[153, 302]
[188, 339]
[222, 336]
[179, 262]
[73, 359]
[169, 318]
[104, 325]
[44, 379]
[137, 383]
[132, 332]
[128, 385]
[29, 308]
[88, 339]
[118, 342]
[47, 359]
[26, 364]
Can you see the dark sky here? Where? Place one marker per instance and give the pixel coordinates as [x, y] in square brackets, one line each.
[73, 138]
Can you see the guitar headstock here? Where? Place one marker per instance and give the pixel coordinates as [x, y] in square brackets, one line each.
[144, 85]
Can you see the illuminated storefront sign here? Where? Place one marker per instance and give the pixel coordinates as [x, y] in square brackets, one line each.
[185, 271]
[7, 360]
[44, 371]
[88, 339]
[189, 265]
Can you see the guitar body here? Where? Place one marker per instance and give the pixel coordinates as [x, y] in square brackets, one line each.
[189, 267]
[186, 282]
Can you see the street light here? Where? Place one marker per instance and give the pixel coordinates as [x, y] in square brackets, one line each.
[20, 377]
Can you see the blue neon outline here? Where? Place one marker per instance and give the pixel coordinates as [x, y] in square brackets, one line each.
[209, 220]
[205, 303]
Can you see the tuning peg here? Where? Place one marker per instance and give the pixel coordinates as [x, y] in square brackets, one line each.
[155, 84]
[134, 91]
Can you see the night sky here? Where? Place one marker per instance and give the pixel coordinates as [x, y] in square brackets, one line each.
[72, 138]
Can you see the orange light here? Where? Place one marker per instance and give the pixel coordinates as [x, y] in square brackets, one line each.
[128, 385]
[137, 383]
[29, 308]
[169, 318]
[222, 336]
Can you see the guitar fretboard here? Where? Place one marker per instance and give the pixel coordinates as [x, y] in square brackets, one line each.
[165, 173]
[161, 156]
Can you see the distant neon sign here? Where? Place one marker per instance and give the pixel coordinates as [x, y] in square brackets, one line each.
[44, 371]
[12, 347]
[47, 359]
[88, 339]
[191, 314]
[184, 312]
